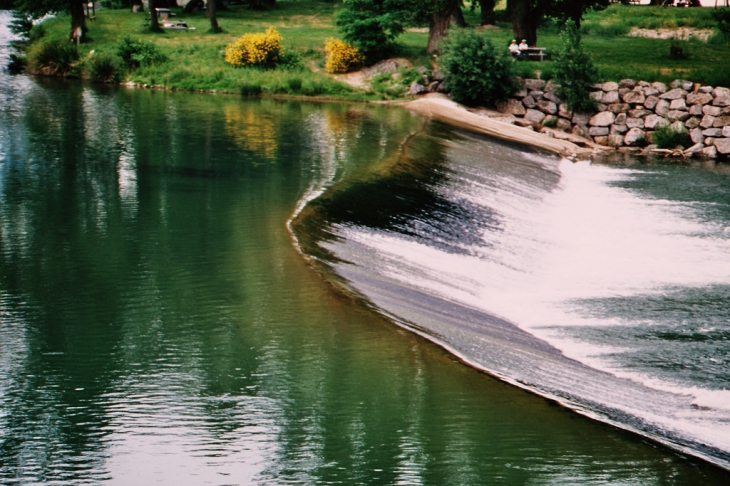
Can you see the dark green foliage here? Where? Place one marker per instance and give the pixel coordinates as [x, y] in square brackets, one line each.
[21, 24]
[17, 63]
[104, 68]
[722, 16]
[667, 138]
[136, 53]
[56, 59]
[250, 89]
[291, 60]
[371, 26]
[476, 72]
[574, 71]
[114, 4]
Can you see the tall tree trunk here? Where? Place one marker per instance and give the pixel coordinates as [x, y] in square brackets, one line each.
[191, 5]
[210, 11]
[78, 20]
[457, 18]
[154, 20]
[438, 27]
[524, 20]
[486, 8]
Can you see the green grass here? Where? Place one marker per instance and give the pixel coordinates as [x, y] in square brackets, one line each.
[195, 58]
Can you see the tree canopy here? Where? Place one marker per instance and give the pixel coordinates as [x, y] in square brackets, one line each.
[527, 15]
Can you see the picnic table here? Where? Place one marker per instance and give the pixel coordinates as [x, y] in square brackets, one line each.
[536, 53]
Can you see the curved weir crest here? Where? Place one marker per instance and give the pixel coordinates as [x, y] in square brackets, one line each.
[602, 288]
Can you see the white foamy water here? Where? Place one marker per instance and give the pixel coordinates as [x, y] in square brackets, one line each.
[561, 251]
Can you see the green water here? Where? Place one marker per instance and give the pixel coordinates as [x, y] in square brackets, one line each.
[157, 324]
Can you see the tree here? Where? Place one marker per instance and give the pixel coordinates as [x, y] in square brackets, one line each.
[527, 15]
[210, 11]
[486, 12]
[574, 71]
[35, 9]
[440, 12]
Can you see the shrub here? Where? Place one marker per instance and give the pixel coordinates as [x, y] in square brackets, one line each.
[262, 50]
[669, 138]
[17, 63]
[476, 72]
[104, 67]
[574, 71]
[371, 26]
[250, 88]
[291, 60]
[722, 17]
[135, 53]
[55, 59]
[341, 57]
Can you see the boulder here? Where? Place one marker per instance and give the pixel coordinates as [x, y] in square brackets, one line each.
[711, 110]
[547, 107]
[698, 98]
[601, 107]
[653, 122]
[722, 100]
[721, 121]
[609, 86]
[601, 140]
[708, 153]
[662, 108]
[620, 119]
[634, 97]
[564, 111]
[536, 94]
[679, 104]
[437, 75]
[534, 117]
[627, 83]
[678, 126]
[598, 131]
[619, 129]
[619, 107]
[695, 148]
[563, 124]
[639, 113]
[661, 87]
[643, 84]
[596, 96]
[603, 119]
[723, 145]
[609, 97]
[552, 97]
[551, 87]
[693, 122]
[687, 85]
[674, 94]
[534, 84]
[696, 135]
[434, 85]
[675, 115]
[635, 122]
[677, 83]
[712, 132]
[634, 137]
[623, 91]
[705, 89]
[417, 89]
[649, 91]
[707, 121]
[720, 91]
[615, 140]
[650, 102]
[580, 130]
[581, 119]
[512, 106]
[710, 141]
[695, 110]
[529, 102]
[726, 132]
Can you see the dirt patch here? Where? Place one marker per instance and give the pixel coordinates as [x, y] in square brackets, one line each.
[681, 33]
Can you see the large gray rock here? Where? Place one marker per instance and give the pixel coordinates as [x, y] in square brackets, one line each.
[635, 122]
[601, 140]
[712, 132]
[529, 102]
[634, 97]
[696, 135]
[698, 98]
[650, 91]
[722, 100]
[564, 111]
[707, 121]
[708, 153]
[679, 104]
[536, 94]
[695, 110]
[609, 86]
[534, 84]
[721, 121]
[661, 87]
[639, 113]
[512, 106]
[620, 119]
[695, 148]
[581, 119]
[417, 89]
[711, 110]
[688, 85]
[581, 131]
[563, 124]
[551, 87]
[534, 117]
[619, 108]
[552, 97]
[726, 131]
[619, 129]
[610, 97]
[723, 145]
[634, 137]
[615, 140]
[662, 108]
[693, 122]
[652, 122]
[705, 89]
[650, 102]
[674, 94]
[547, 107]
[675, 115]
[677, 83]
[598, 131]
[521, 93]
[627, 83]
[720, 91]
[678, 126]
[596, 96]
[603, 119]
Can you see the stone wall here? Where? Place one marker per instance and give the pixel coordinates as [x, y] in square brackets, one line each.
[629, 112]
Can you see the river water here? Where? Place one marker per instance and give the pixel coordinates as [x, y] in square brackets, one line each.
[159, 322]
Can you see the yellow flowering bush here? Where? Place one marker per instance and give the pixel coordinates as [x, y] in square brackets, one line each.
[341, 56]
[256, 49]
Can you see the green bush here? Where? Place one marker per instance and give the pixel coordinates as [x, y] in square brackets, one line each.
[476, 72]
[574, 71]
[370, 26]
[722, 17]
[668, 138]
[104, 68]
[135, 53]
[55, 59]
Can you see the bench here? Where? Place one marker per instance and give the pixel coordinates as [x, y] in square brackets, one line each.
[536, 53]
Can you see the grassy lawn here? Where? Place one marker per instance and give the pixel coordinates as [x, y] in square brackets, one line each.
[195, 58]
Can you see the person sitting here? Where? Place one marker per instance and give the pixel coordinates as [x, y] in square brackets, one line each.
[523, 48]
[514, 50]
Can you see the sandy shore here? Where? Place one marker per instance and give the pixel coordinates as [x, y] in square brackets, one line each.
[442, 109]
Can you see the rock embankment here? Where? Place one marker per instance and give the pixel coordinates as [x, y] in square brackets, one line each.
[629, 112]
